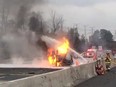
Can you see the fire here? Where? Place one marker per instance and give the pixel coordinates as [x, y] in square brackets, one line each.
[60, 50]
[63, 48]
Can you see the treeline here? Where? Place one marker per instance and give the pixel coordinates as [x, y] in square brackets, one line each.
[100, 37]
[79, 43]
[25, 19]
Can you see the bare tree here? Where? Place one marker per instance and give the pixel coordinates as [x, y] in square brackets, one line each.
[4, 15]
[56, 22]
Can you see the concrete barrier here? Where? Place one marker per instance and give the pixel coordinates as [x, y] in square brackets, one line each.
[68, 77]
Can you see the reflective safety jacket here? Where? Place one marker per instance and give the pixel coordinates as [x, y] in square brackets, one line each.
[108, 60]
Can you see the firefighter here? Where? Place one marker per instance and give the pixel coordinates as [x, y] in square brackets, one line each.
[99, 68]
[108, 61]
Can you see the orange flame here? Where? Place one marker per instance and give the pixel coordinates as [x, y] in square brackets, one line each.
[62, 49]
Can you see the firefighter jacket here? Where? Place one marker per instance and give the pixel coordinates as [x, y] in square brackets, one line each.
[108, 60]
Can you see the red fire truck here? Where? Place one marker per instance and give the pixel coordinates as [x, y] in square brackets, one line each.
[91, 53]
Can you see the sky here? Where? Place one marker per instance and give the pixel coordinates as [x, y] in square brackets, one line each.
[99, 14]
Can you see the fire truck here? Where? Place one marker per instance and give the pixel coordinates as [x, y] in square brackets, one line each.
[91, 54]
[94, 54]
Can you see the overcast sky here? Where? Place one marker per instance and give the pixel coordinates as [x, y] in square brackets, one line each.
[92, 13]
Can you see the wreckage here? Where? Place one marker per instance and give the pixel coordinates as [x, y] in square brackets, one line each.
[60, 54]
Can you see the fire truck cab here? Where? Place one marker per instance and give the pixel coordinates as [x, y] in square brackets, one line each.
[91, 54]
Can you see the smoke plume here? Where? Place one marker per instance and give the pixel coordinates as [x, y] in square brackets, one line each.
[12, 6]
[18, 47]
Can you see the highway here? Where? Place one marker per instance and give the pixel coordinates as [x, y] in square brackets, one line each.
[107, 80]
[9, 74]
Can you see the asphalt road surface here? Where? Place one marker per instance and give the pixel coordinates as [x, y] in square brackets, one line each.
[8, 74]
[107, 80]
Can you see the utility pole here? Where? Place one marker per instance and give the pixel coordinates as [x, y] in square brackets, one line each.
[92, 30]
[115, 32]
[4, 16]
[85, 32]
[77, 26]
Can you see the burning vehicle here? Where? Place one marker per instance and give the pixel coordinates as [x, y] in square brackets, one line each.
[60, 55]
